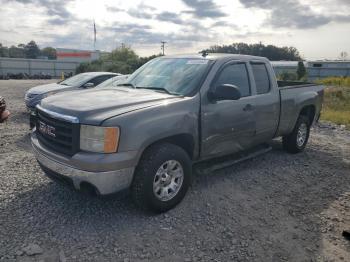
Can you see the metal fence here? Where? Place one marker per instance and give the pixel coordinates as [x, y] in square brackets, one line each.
[54, 68]
[315, 69]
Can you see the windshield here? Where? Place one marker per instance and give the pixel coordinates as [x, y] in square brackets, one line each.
[172, 75]
[76, 80]
[113, 82]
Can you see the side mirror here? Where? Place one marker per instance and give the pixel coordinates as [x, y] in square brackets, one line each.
[88, 85]
[224, 92]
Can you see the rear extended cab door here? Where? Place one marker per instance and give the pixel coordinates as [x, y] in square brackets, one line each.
[267, 100]
[227, 126]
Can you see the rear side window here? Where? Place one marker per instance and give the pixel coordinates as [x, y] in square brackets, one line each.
[235, 74]
[261, 78]
[99, 79]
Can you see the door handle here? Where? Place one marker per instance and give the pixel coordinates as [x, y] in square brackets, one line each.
[248, 107]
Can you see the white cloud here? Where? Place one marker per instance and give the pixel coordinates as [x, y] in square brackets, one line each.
[187, 25]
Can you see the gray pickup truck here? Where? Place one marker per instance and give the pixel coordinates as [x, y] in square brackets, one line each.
[146, 134]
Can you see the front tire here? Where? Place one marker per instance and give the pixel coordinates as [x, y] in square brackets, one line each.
[297, 140]
[161, 178]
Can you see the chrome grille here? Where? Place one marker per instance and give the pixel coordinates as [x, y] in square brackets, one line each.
[57, 134]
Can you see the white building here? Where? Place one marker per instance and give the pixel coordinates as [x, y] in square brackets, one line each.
[325, 68]
[315, 69]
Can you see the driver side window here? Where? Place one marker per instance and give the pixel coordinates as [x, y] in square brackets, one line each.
[235, 74]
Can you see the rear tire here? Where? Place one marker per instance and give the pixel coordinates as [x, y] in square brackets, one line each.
[296, 141]
[162, 178]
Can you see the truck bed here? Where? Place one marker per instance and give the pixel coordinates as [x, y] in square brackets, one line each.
[294, 96]
[293, 84]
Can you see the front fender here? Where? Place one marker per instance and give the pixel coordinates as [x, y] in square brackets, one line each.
[141, 128]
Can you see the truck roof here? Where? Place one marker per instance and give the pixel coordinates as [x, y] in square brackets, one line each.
[220, 56]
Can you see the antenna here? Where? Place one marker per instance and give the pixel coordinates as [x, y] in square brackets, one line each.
[162, 46]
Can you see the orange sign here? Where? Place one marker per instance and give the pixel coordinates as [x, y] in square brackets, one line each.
[75, 54]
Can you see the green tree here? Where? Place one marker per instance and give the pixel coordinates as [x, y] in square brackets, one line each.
[32, 50]
[94, 66]
[121, 60]
[144, 60]
[50, 52]
[16, 52]
[270, 51]
[301, 70]
[4, 51]
[125, 58]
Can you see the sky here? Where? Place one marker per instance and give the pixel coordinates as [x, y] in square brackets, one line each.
[319, 29]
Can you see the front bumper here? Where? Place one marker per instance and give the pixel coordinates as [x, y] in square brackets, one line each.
[106, 182]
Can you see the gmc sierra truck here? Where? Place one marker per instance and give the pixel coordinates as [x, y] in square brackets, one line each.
[174, 111]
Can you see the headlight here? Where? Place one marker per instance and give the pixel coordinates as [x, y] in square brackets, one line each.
[49, 94]
[99, 139]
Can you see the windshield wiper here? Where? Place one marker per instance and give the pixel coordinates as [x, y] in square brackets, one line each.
[127, 84]
[160, 89]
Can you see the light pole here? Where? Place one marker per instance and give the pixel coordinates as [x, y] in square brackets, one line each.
[163, 46]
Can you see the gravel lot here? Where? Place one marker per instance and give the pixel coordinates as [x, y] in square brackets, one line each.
[276, 207]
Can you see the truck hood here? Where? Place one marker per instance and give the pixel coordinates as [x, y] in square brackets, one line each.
[94, 106]
[42, 89]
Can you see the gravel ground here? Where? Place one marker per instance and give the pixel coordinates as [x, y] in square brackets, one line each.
[276, 207]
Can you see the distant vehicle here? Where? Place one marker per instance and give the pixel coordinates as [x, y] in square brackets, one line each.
[173, 112]
[80, 81]
[83, 80]
[114, 81]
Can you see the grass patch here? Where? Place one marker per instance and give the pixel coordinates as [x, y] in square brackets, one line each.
[335, 81]
[336, 104]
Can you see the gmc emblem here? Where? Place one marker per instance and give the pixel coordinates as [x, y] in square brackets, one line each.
[46, 129]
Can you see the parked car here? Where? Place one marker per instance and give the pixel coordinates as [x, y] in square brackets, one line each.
[174, 111]
[81, 81]
[114, 81]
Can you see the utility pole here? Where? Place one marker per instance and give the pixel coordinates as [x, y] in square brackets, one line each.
[260, 48]
[94, 35]
[163, 46]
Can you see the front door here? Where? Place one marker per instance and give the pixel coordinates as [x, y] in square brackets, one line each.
[229, 126]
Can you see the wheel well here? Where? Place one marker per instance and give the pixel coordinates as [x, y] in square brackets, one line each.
[309, 112]
[185, 141]
[88, 189]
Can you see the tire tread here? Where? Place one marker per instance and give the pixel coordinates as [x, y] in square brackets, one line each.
[144, 171]
[289, 141]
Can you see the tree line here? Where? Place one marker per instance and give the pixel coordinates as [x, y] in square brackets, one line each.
[29, 50]
[124, 60]
[273, 53]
